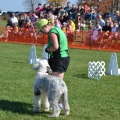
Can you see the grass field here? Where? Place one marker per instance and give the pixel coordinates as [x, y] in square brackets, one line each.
[88, 99]
[3, 23]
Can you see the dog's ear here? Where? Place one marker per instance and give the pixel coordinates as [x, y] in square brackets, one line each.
[49, 70]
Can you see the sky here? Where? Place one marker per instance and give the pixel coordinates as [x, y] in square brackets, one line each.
[16, 5]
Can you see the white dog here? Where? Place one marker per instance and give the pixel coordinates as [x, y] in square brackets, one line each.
[52, 87]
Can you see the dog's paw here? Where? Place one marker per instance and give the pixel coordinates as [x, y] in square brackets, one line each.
[66, 112]
[46, 109]
[55, 114]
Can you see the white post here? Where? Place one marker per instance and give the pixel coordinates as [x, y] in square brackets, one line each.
[32, 57]
[113, 65]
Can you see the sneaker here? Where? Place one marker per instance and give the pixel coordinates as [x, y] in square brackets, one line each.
[60, 106]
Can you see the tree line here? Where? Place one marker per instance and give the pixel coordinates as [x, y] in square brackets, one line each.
[100, 5]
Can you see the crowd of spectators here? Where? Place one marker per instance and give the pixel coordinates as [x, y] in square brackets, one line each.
[70, 18]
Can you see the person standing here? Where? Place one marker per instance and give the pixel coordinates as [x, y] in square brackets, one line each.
[57, 48]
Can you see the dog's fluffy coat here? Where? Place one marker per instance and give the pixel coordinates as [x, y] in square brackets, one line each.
[53, 88]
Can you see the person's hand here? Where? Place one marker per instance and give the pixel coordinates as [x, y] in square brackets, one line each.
[46, 50]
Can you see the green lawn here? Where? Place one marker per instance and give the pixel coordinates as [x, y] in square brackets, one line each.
[89, 99]
[3, 23]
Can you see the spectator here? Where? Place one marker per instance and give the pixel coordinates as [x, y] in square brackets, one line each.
[57, 10]
[51, 9]
[25, 16]
[97, 26]
[45, 10]
[15, 30]
[64, 27]
[80, 10]
[101, 21]
[28, 19]
[14, 19]
[38, 9]
[107, 28]
[21, 21]
[9, 28]
[91, 14]
[61, 19]
[33, 17]
[35, 23]
[106, 33]
[50, 15]
[58, 16]
[26, 28]
[111, 21]
[90, 33]
[66, 17]
[27, 24]
[97, 33]
[118, 17]
[80, 24]
[57, 23]
[71, 25]
[62, 11]
[73, 11]
[41, 15]
[32, 32]
[86, 9]
[114, 33]
[97, 38]
[68, 8]
[117, 38]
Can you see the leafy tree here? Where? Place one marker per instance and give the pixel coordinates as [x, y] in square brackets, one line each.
[30, 4]
[55, 2]
[101, 5]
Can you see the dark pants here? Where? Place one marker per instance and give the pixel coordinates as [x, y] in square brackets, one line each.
[90, 16]
[59, 64]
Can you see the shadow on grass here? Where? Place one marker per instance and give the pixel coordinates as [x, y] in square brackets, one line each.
[81, 76]
[17, 62]
[19, 107]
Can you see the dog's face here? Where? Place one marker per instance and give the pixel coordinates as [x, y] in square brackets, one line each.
[42, 66]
